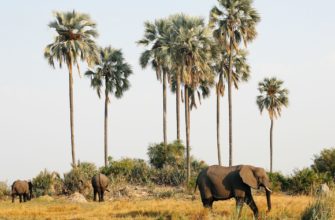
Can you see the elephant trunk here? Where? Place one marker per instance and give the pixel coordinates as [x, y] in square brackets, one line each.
[268, 199]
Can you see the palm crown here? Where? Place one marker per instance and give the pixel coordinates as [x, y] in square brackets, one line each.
[74, 40]
[157, 37]
[192, 49]
[234, 21]
[112, 72]
[272, 97]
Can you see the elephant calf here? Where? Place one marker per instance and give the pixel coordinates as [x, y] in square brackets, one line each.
[99, 183]
[221, 183]
[23, 189]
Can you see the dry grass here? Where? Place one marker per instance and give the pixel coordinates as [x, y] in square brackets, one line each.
[283, 207]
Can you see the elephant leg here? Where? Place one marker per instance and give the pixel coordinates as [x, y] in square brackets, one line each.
[20, 196]
[95, 194]
[102, 195]
[208, 203]
[239, 206]
[251, 203]
[13, 197]
[24, 197]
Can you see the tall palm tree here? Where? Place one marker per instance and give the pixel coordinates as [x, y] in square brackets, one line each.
[272, 98]
[157, 38]
[191, 52]
[233, 22]
[240, 73]
[74, 42]
[112, 74]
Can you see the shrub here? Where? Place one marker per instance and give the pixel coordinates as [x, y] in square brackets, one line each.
[47, 183]
[79, 178]
[306, 181]
[42, 183]
[278, 181]
[4, 190]
[321, 209]
[172, 154]
[169, 175]
[134, 171]
[325, 162]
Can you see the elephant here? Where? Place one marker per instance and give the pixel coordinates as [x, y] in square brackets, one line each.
[22, 188]
[99, 183]
[221, 183]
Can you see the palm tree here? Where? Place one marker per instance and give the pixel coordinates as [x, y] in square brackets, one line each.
[157, 37]
[74, 42]
[240, 73]
[191, 52]
[272, 98]
[234, 22]
[112, 74]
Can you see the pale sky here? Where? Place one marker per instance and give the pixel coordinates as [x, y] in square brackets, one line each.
[295, 43]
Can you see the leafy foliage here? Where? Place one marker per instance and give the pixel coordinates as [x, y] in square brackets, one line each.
[74, 40]
[278, 181]
[132, 170]
[4, 190]
[272, 96]
[112, 73]
[306, 181]
[47, 183]
[172, 154]
[321, 209]
[325, 162]
[79, 178]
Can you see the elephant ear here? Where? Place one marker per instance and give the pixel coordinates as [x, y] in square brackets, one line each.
[248, 177]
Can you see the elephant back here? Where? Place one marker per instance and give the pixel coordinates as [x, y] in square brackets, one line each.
[20, 187]
[222, 179]
[100, 180]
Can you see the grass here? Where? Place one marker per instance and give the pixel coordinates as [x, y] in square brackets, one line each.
[283, 207]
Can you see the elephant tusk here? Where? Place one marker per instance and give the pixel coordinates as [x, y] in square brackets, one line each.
[268, 189]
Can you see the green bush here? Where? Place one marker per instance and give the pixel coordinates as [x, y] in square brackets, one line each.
[134, 171]
[79, 178]
[306, 181]
[172, 154]
[278, 182]
[169, 175]
[321, 209]
[42, 183]
[4, 190]
[47, 183]
[325, 162]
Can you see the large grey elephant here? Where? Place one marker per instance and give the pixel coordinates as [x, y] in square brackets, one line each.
[99, 183]
[221, 183]
[23, 189]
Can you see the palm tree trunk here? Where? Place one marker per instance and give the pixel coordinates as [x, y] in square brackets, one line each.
[218, 125]
[271, 146]
[106, 127]
[187, 123]
[230, 104]
[71, 113]
[164, 109]
[178, 107]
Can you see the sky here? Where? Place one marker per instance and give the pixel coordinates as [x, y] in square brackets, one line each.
[295, 43]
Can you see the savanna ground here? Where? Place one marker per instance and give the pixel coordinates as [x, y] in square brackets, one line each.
[179, 207]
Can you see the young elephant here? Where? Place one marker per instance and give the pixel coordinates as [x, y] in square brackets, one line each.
[221, 183]
[99, 183]
[22, 188]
